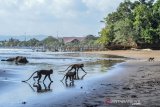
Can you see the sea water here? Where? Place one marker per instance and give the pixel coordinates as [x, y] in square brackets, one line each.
[12, 90]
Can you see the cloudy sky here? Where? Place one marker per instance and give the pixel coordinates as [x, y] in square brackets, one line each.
[67, 17]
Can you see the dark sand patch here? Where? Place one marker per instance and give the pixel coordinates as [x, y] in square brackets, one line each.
[139, 86]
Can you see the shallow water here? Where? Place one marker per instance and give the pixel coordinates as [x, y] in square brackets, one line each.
[14, 91]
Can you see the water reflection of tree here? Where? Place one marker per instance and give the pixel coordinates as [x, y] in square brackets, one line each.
[106, 64]
[111, 56]
[103, 64]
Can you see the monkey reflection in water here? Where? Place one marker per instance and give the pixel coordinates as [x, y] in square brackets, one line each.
[72, 76]
[78, 78]
[39, 88]
[71, 83]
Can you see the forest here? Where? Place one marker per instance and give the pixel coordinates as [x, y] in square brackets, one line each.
[51, 43]
[132, 25]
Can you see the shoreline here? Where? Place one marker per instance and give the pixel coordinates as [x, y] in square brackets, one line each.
[139, 54]
[76, 97]
[139, 83]
[33, 100]
[135, 82]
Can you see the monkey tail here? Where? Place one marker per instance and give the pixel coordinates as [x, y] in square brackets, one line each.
[63, 77]
[67, 68]
[29, 77]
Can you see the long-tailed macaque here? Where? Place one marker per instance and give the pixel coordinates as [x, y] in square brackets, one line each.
[76, 67]
[40, 73]
[151, 59]
[70, 75]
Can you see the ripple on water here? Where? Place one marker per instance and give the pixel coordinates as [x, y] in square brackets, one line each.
[95, 65]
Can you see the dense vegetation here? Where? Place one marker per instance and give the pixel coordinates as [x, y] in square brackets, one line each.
[53, 44]
[132, 25]
[47, 42]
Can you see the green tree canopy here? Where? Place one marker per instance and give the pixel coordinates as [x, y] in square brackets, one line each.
[134, 24]
[33, 42]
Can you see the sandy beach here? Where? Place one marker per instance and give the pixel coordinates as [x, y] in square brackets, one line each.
[136, 54]
[135, 82]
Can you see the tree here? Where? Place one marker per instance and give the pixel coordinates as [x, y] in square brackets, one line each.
[124, 33]
[134, 24]
[145, 24]
[114, 22]
[33, 42]
[106, 36]
[89, 40]
[12, 42]
[51, 43]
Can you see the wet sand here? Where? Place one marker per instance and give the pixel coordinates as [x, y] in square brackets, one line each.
[135, 82]
[139, 54]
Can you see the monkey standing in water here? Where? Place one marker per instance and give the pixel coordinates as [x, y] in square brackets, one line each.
[40, 73]
[70, 75]
[76, 67]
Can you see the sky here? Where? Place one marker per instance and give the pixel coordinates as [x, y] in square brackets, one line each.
[54, 17]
